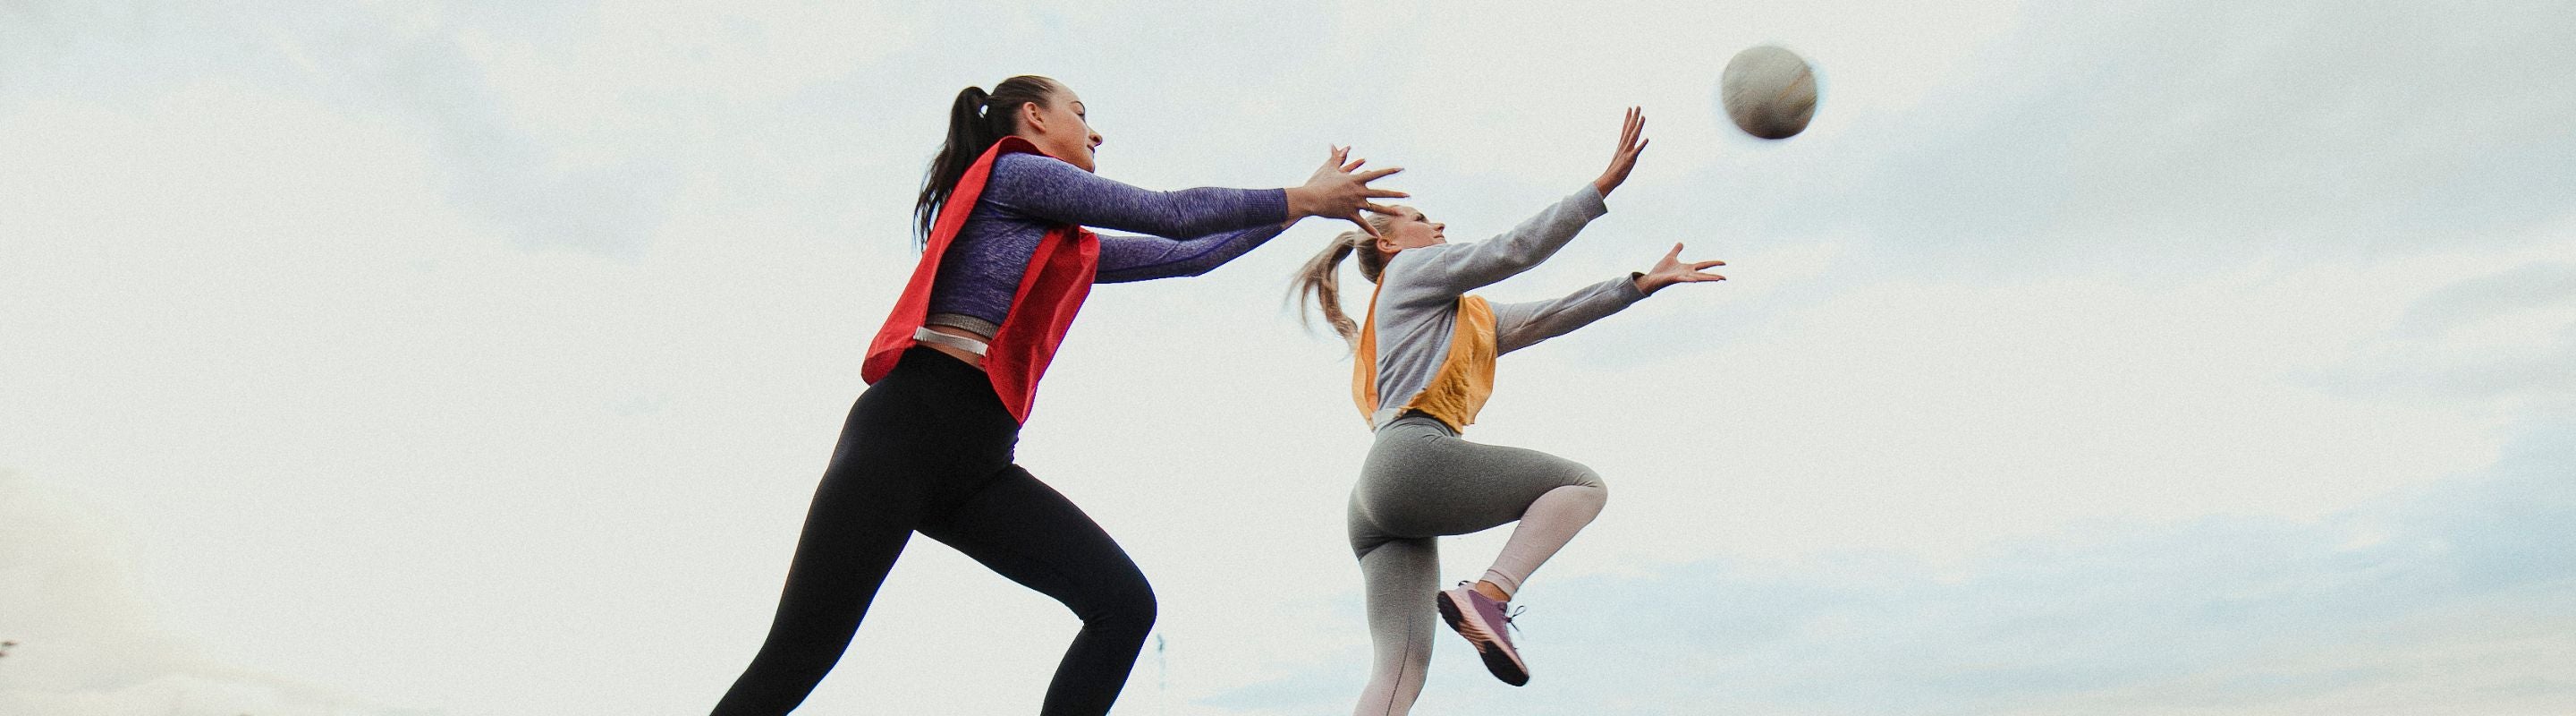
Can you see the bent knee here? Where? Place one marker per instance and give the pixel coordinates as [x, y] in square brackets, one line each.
[1585, 476]
[1141, 609]
[1130, 604]
[1587, 488]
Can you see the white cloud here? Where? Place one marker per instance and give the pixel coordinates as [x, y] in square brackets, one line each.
[2498, 339]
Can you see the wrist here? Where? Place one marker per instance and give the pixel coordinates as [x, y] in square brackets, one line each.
[1301, 202]
[1645, 284]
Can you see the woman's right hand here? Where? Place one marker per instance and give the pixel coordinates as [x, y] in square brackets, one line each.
[1339, 190]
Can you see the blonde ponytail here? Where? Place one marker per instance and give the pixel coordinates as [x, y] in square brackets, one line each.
[1320, 280]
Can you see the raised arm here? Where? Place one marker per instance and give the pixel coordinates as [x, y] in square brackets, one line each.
[1464, 267]
[1043, 187]
[1459, 268]
[1521, 325]
[1143, 258]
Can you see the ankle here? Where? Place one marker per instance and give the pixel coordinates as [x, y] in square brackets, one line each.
[1490, 589]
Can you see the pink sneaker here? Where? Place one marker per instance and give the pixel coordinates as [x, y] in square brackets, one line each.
[1481, 620]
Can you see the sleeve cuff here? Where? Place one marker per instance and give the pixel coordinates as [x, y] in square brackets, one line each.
[1589, 198]
[1272, 203]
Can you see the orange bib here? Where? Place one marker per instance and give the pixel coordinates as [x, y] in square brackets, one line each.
[1465, 379]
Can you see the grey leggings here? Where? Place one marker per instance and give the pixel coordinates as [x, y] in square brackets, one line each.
[1420, 482]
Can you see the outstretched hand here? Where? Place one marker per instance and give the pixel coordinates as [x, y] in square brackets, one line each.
[1339, 190]
[1672, 270]
[1632, 142]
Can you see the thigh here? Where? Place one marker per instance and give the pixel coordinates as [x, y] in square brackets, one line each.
[869, 501]
[1366, 536]
[1029, 533]
[1440, 485]
[1398, 580]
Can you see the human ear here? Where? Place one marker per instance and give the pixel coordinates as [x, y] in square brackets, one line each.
[1033, 118]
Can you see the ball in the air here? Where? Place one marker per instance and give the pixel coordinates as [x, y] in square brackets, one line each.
[1770, 92]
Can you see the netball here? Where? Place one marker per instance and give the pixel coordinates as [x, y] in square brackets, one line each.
[1769, 91]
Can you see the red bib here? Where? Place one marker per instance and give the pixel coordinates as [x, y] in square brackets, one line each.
[1058, 278]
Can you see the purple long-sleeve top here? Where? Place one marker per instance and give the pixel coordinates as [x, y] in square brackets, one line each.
[1030, 193]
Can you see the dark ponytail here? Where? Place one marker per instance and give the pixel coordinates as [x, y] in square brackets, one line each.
[975, 122]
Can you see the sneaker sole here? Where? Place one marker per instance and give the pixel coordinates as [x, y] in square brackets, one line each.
[1502, 664]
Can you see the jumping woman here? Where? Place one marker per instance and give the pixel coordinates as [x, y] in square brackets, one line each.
[1005, 264]
[1423, 366]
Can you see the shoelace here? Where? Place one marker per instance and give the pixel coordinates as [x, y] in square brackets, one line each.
[1511, 620]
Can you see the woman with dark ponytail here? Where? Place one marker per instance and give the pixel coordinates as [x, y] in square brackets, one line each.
[1423, 365]
[1005, 264]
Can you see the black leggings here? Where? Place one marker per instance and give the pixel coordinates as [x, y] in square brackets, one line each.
[928, 449]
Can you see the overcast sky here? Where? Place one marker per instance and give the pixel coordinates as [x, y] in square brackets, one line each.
[2082, 357]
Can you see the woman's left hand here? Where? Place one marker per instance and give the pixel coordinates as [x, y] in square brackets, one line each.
[1632, 142]
[1672, 270]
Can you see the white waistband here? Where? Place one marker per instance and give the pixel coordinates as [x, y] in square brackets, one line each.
[951, 340]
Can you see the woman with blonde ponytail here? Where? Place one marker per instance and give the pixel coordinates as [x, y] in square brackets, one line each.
[1006, 262]
[1320, 280]
[1423, 365]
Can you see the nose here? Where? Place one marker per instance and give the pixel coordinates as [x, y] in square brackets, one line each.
[1096, 141]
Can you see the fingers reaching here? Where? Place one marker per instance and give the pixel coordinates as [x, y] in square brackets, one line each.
[1630, 128]
[1340, 190]
[1671, 269]
[1623, 158]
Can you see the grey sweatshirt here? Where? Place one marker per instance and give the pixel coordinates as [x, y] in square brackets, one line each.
[1417, 298]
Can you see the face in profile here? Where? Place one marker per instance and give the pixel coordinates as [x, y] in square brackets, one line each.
[1409, 229]
[1061, 127]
